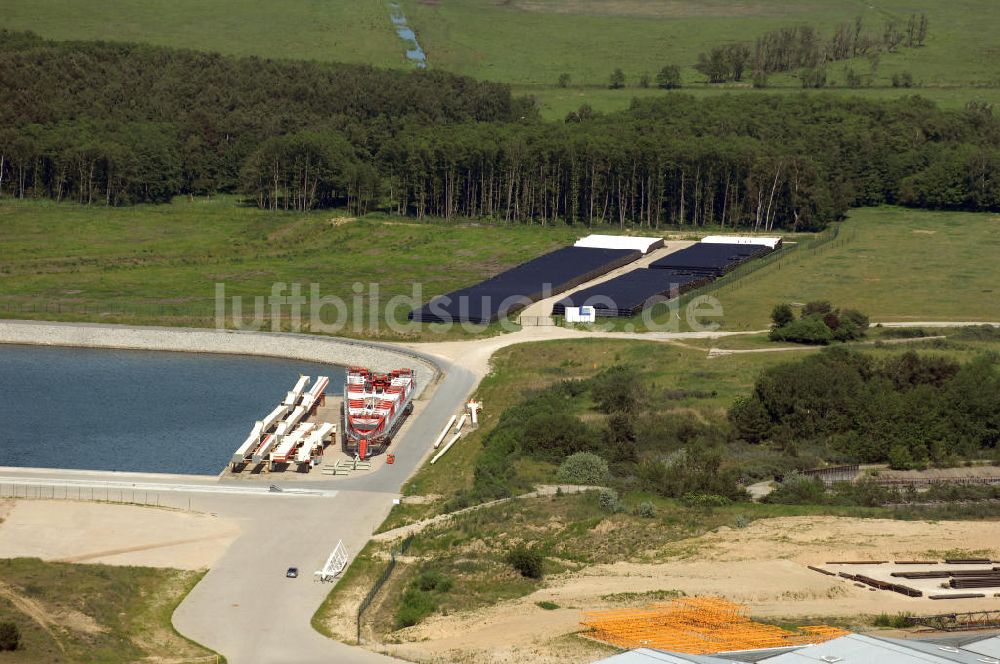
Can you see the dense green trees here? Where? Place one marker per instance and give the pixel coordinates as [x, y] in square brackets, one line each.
[908, 409]
[669, 78]
[819, 323]
[114, 124]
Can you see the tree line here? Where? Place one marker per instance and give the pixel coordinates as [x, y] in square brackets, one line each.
[115, 124]
[803, 47]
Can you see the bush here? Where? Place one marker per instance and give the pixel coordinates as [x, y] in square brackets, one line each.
[617, 389]
[810, 330]
[583, 468]
[10, 636]
[431, 580]
[796, 489]
[548, 606]
[645, 509]
[782, 315]
[704, 500]
[527, 562]
[898, 621]
[608, 500]
[416, 606]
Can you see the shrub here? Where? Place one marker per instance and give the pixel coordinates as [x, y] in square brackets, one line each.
[608, 500]
[583, 468]
[617, 389]
[431, 580]
[898, 621]
[416, 606]
[741, 521]
[10, 636]
[548, 606]
[645, 509]
[705, 500]
[527, 562]
[809, 330]
[796, 489]
[782, 315]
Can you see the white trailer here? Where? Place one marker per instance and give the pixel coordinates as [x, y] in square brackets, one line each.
[283, 450]
[315, 439]
[264, 448]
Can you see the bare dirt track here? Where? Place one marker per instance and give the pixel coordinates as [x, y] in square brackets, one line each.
[762, 565]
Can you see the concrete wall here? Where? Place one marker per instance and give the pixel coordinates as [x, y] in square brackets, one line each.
[343, 352]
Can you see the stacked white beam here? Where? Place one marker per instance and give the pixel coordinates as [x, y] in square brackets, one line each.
[295, 395]
[310, 398]
[253, 440]
[314, 440]
[770, 242]
[288, 424]
[264, 448]
[273, 417]
[284, 449]
[444, 432]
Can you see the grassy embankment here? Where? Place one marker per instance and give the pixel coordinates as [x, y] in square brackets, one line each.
[95, 613]
[159, 264]
[575, 531]
[529, 44]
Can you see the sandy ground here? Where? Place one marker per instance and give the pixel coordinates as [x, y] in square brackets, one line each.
[82, 532]
[763, 565]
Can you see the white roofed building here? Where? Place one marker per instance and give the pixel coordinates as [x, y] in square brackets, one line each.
[772, 242]
[634, 243]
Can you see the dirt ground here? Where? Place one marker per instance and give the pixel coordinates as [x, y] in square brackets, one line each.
[82, 532]
[763, 565]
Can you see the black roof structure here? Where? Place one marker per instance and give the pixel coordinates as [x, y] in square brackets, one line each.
[712, 259]
[632, 292]
[518, 287]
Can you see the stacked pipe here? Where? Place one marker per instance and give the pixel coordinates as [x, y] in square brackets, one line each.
[976, 582]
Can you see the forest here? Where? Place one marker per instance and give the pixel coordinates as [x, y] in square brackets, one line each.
[115, 124]
[910, 410]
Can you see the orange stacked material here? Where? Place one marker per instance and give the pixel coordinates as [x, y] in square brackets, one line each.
[697, 626]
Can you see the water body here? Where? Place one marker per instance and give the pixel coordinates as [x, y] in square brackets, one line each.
[414, 53]
[137, 410]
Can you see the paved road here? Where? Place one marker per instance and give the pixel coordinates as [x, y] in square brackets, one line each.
[246, 609]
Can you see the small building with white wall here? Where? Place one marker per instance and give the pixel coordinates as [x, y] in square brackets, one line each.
[633, 243]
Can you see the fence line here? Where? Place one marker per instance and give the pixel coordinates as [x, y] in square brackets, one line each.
[404, 546]
[94, 494]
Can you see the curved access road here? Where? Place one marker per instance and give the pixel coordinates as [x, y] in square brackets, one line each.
[245, 608]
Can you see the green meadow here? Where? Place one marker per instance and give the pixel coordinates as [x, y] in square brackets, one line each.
[530, 43]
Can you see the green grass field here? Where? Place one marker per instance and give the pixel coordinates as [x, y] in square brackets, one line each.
[529, 43]
[160, 264]
[896, 265]
[340, 30]
[95, 613]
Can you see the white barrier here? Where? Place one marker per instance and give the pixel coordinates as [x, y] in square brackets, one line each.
[446, 447]
[444, 431]
[335, 564]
